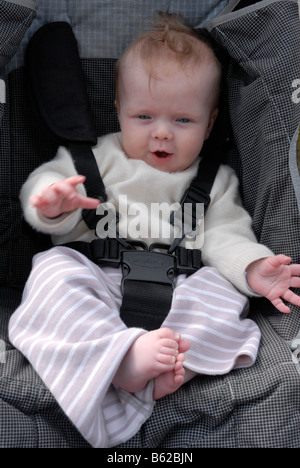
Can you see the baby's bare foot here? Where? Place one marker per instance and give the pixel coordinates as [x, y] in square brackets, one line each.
[169, 382]
[151, 355]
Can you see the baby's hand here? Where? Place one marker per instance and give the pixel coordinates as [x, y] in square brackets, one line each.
[273, 277]
[62, 197]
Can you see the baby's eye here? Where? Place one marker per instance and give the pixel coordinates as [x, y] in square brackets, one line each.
[183, 120]
[144, 117]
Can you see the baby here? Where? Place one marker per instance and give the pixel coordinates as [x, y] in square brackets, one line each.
[168, 86]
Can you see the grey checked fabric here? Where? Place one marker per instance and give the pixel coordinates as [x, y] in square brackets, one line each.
[265, 119]
[248, 408]
[103, 28]
[15, 18]
[14, 21]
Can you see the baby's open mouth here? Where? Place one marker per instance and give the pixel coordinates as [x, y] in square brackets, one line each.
[161, 154]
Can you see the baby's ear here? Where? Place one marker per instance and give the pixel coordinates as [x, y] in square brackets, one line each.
[211, 122]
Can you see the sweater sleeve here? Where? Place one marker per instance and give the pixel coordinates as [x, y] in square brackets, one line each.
[60, 168]
[229, 241]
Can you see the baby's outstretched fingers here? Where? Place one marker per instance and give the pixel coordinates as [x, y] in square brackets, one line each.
[291, 297]
[67, 189]
[35, 200]
[288, 296]
[75, 180]
[62, 197]
[279, 260]
[87, 202]
[295, 270]
[279, 304]
[295, 282]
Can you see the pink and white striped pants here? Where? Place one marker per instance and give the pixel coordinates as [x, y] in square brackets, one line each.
[68, 327]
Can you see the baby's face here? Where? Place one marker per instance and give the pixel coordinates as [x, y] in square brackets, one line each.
[165, 118]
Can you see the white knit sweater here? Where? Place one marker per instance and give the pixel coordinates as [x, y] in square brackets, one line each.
[229, 242]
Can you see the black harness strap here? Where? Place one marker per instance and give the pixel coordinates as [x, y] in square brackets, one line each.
[197, 193]
[146, 306]
[59, 93]
[147, 288]
[86, 165]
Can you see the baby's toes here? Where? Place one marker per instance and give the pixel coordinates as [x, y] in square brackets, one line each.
[168, 334]
[167, 357]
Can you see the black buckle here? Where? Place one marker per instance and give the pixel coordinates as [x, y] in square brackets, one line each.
[187, 261]
[147, 266]
[108, 252]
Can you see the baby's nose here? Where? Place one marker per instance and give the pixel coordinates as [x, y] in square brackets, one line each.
[162, 131]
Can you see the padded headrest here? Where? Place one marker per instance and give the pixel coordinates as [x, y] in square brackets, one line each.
[57, 84]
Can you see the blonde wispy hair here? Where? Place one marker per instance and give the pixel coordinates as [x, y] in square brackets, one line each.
[170, 38]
